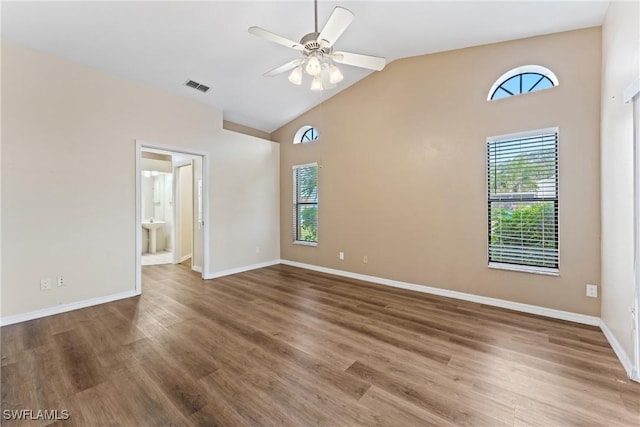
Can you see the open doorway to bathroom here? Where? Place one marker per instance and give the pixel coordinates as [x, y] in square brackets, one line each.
[158, 204]
[171, 204]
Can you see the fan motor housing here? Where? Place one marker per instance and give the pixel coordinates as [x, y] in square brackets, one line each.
[312, 45]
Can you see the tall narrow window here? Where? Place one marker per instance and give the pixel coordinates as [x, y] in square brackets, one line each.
[523, 201]
[305, 203]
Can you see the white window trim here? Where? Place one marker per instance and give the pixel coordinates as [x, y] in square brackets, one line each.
[520, 70]
[527, 268]
[304, 242]
[524, 134]
[306, 165]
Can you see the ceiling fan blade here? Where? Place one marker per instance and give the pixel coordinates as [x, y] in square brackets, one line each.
[338, 22]
[268, 35]
[364, 61]
[286, 67]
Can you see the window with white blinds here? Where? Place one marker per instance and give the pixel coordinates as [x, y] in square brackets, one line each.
[305, 203]
[522, 179]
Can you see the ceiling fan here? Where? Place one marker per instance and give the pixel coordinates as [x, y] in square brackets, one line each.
[318, 57]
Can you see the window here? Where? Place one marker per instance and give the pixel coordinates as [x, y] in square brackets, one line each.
[305, 135]
[525, 79]
[522, 200]
[305, 204]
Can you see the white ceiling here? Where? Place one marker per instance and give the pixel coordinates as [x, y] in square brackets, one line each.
[162, 44]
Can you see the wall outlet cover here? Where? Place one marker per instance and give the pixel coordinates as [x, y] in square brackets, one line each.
[592, 291]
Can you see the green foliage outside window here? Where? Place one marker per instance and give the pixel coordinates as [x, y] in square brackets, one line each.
[309, 224]
[527, 225]
[522, 173]
[307, 204]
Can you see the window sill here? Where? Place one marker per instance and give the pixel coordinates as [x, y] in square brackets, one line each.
[525, 269]
[303, 243]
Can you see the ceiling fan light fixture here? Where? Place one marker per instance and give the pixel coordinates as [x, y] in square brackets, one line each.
[313, 67]
[316, 84]
[296, 75]
[317, 49]
[335, 76]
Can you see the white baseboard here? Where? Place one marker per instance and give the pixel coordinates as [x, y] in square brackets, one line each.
[624, 358]
[526, 308]
[197, 268]
[184, 258]
[241, 269]
[9, 320]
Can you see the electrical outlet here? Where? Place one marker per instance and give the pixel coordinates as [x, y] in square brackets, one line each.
[341, 256]
[45, 284]
[365, 259]
[60, 281]
[592, 291]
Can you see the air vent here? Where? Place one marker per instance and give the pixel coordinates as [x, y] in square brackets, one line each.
[196, 85]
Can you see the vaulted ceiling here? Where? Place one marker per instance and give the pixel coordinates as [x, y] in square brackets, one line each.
[162, 44]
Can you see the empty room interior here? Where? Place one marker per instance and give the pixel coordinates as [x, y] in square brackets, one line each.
[336, 213]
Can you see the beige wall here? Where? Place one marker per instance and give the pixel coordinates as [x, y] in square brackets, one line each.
[620, 66]
[147, 164]
[403, 169]
[63, 216]
[245, 130]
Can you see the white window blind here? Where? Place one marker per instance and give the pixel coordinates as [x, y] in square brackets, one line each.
[305, 203]
[522, 200]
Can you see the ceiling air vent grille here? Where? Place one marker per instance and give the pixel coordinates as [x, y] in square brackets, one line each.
[196, 85]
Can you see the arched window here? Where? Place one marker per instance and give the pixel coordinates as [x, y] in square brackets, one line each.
[305, 134]
[525, 79]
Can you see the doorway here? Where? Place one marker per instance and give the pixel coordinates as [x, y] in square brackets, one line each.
[157, 206]
[171, 204]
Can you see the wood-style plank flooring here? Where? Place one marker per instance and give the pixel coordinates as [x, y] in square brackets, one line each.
[282, 346]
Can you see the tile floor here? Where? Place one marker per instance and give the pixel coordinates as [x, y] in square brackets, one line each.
[163, 257]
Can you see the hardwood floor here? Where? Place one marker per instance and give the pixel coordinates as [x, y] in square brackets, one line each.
[282, 346]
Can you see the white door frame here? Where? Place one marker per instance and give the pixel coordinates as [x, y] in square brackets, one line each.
[635, 375]
[632, 94]
[140, 146]
[177, 216]
[636, 308]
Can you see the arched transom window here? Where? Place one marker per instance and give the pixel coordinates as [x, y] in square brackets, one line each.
[305, 135]
[525, 79]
